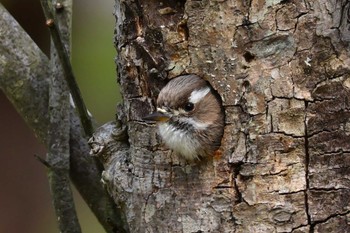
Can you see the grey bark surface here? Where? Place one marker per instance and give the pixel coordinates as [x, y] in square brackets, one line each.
[282, 70]
[58, 156]
[24, 78]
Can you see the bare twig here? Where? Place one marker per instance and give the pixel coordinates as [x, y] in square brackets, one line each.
[42, 161]
[62, 52]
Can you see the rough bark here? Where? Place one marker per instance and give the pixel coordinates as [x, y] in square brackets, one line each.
[58, 156]
[24, 72]
[282, 70]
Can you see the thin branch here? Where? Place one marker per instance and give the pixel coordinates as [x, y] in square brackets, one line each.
[42, 161]
[67, 68]
[62, 198]
[63, 201]
[58, 143]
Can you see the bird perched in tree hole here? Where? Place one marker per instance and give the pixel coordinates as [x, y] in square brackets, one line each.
[190, 117]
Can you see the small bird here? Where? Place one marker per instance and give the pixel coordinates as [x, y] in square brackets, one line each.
[190, 117]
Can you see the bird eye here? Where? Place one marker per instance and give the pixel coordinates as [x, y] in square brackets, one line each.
[189, 107]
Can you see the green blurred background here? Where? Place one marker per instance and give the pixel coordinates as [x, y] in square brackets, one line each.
[25, 204]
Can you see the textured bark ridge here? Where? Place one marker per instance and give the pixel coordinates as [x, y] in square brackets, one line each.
[282, 70]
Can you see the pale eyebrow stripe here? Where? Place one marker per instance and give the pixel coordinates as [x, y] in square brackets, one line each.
[161, 110]
[197, 95]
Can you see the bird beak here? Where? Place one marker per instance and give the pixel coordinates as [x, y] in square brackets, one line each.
[156, 116]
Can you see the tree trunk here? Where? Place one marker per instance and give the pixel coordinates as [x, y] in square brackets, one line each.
[282, 71]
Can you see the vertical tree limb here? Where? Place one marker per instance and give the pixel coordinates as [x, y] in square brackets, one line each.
[58, 142]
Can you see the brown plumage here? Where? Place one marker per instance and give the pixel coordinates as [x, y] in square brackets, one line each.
[190, 117]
